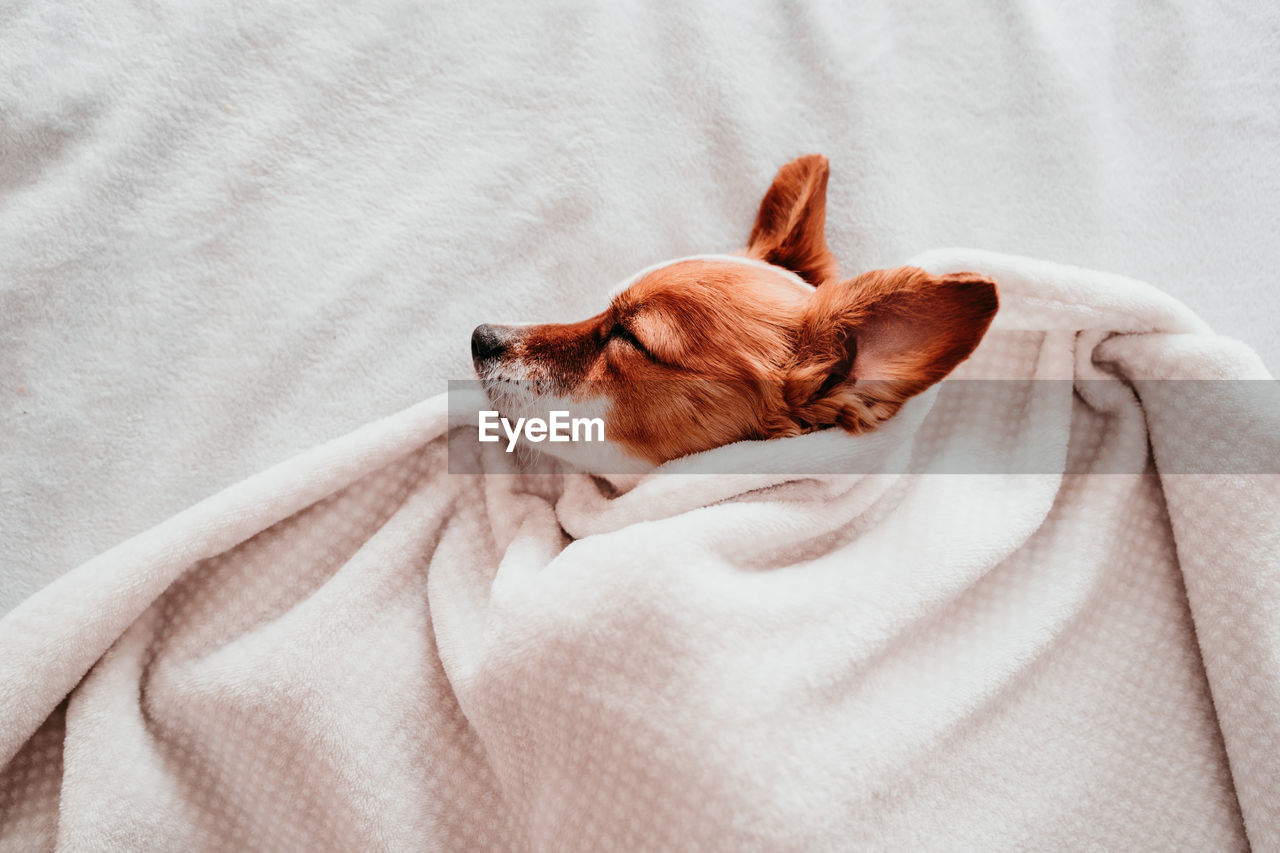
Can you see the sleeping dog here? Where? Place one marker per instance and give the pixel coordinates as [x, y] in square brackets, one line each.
[703, 351]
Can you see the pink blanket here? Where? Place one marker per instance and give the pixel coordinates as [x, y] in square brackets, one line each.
[357, 650]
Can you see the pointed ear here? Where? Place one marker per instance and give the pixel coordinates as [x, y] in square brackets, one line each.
[866, 345]
[790, 228]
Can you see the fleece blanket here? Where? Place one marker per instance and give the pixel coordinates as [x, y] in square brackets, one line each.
[359, 650]
[232, 231]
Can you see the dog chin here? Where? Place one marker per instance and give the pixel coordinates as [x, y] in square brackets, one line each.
[603, 458]
[514, 399]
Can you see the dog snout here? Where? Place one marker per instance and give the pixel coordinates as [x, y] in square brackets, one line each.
[488, 342]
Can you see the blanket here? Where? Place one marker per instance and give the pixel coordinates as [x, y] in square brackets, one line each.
[232, 231]
[359, 650]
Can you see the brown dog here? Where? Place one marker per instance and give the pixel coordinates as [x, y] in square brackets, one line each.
[703, 351]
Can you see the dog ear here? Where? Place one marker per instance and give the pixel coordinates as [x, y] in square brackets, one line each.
[790, 228]
[866, 345]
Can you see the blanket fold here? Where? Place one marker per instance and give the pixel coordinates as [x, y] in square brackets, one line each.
[359, 650]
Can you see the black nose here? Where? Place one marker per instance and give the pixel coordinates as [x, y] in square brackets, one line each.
[487, 342]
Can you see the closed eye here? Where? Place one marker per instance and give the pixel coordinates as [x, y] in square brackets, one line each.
[622, 333]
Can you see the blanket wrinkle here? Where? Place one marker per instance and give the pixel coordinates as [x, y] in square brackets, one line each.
[359, 649]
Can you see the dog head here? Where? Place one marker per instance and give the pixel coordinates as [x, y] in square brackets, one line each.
[704, 351]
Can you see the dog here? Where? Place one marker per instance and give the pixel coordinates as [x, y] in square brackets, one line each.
[703, 351]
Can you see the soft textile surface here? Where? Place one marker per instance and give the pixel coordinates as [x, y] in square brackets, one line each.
[231, 231]
[357, 650]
